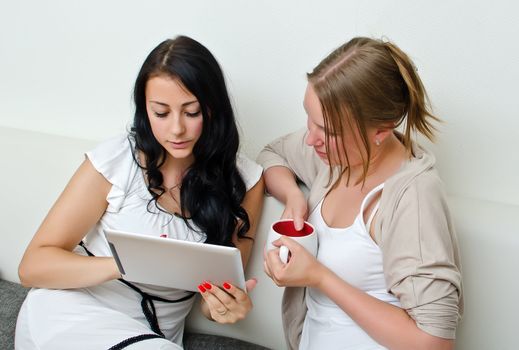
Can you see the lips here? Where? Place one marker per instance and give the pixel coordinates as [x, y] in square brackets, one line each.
[179, 145]
[321, 154]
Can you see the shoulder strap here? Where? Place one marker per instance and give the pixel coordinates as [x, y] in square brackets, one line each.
[366, 200]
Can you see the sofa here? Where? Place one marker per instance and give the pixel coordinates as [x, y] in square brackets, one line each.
[487, 231]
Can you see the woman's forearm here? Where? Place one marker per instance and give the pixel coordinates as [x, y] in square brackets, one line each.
[389, 325]
[56, 268]
[253, 205]
[280, 182]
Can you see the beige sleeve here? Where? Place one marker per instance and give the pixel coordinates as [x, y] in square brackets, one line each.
[421, 259]
[292, 152]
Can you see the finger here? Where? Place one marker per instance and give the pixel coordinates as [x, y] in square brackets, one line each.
[240, 303]
[298, 222]
[216, 307]
[274, 264]
[226, 299]
[266, 249]
[251, 284]
[239, 295]
[272, 255]
[266, 269]
[291, 244]
[281, 242]
[276, 243]
[287, 214]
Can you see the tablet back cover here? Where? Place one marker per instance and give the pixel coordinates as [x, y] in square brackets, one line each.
[174, 263]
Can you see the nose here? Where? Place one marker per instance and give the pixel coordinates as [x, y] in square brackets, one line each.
[313, 139]
[177, 126]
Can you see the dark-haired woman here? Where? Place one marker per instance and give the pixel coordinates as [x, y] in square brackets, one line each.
[387, 272]
[177, 174]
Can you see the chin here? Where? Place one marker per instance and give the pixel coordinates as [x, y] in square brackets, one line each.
[180, 154]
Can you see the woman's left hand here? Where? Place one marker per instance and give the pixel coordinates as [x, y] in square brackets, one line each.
[227, 305]
[301, 270]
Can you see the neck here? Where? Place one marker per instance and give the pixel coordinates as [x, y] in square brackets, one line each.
[177, 165]
[385, 160]
[173, 170]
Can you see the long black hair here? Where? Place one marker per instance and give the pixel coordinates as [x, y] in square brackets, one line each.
[212, 189]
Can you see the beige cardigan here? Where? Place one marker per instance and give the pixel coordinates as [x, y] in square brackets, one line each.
[413, 230]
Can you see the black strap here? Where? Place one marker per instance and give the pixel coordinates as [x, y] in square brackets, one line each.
[134, 340]
[147, 305]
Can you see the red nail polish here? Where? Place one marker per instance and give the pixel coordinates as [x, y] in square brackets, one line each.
[227, 285]
[201, 288]
[207, 285]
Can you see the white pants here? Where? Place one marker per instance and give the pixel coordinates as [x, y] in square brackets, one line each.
[67, 319]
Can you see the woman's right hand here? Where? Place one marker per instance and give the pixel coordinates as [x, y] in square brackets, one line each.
[281, 183]
[296, 208]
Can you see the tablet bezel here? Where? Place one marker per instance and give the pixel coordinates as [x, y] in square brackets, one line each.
[169, 262]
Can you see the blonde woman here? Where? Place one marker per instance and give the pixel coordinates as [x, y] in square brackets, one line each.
[387, 272]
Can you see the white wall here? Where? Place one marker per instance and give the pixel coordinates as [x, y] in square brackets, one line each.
[68, 68]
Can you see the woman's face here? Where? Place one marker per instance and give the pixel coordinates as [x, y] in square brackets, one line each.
[316, 136]
[175, 116]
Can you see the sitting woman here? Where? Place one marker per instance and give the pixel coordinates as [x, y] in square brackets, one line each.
[177, 174]
[387, 271]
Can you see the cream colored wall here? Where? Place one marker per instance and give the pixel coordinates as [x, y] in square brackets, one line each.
[35, 169]
[487, 232]
[68, 67]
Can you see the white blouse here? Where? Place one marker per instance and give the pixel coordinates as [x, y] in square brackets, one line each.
[101, 316]
[128, 199]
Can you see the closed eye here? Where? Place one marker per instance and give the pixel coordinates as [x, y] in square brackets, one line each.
[161, 115]
[193, 114]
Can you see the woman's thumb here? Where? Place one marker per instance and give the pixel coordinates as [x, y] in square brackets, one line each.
[250, 284]
[298, 223]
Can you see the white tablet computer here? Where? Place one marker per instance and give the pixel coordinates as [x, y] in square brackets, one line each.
[174, 263]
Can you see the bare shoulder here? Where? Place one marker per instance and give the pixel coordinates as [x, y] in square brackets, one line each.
[79, 207]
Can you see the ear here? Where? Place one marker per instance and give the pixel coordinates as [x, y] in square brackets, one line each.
[381, 133]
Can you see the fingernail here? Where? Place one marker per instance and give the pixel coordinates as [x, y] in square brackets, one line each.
[227, 285]
[201, 288]
[207, 285]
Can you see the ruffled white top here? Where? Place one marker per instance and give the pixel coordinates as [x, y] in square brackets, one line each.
[104, 315]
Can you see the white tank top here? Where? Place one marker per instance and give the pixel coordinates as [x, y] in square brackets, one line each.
[352, 254]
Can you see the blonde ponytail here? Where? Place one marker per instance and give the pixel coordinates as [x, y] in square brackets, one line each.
[419, 115]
